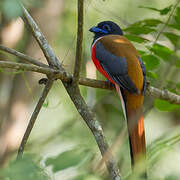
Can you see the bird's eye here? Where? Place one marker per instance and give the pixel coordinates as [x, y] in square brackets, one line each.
[107, 27]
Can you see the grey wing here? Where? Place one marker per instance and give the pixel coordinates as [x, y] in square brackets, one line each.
[116, 68]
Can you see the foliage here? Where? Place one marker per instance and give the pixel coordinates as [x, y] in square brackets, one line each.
[156, 53]
[25, 168]
[11, 5]
[67, 159]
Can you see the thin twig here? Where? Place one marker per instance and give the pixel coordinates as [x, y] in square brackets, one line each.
[67, 78]
[22, 56]
[77, 67]
[34, 117]
[167, 22]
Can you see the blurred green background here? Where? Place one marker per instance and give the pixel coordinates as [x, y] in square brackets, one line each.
[61, 146]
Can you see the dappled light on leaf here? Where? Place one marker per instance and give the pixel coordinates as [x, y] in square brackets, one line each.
[66, 159]
[162, 51]
[164, 11]
[151, 61]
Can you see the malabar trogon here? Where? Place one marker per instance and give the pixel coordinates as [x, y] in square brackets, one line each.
[118, 60]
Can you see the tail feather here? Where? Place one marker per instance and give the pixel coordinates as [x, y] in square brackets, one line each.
[136, 136]
[135, 122]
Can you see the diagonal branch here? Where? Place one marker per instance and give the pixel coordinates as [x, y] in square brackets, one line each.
[22, 56]
[77, 67]
[96, 129]
[40, 38]
[34, 117]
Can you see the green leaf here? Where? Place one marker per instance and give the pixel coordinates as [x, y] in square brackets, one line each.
[177, 16]
[166, 10]
[178, 63]
[175, 26]
[173, 90]
[11, 9]
[163, 11]
[178, 85]
[151, 62]
[136, 30]
[23, 168]
[142, 52]
[163, 105]
[46, 103]
[151, 22]
[135, 38]
[66, 159]
[172, 37]
[147, 23]
[151, 74]
[150, 8]
[162, 51]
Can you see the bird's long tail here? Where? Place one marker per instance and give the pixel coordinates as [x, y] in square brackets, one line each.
[135, 123]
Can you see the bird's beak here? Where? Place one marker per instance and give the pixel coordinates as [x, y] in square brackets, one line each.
[95, 29]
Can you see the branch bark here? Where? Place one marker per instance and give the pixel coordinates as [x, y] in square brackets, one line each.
[163, 94]
[95, 127]
[28, 67]
[77, 67]
[40, 38]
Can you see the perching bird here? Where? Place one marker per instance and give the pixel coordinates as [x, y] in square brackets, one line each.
[118, 60]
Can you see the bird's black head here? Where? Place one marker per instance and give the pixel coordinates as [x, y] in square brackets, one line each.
[105, 28]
